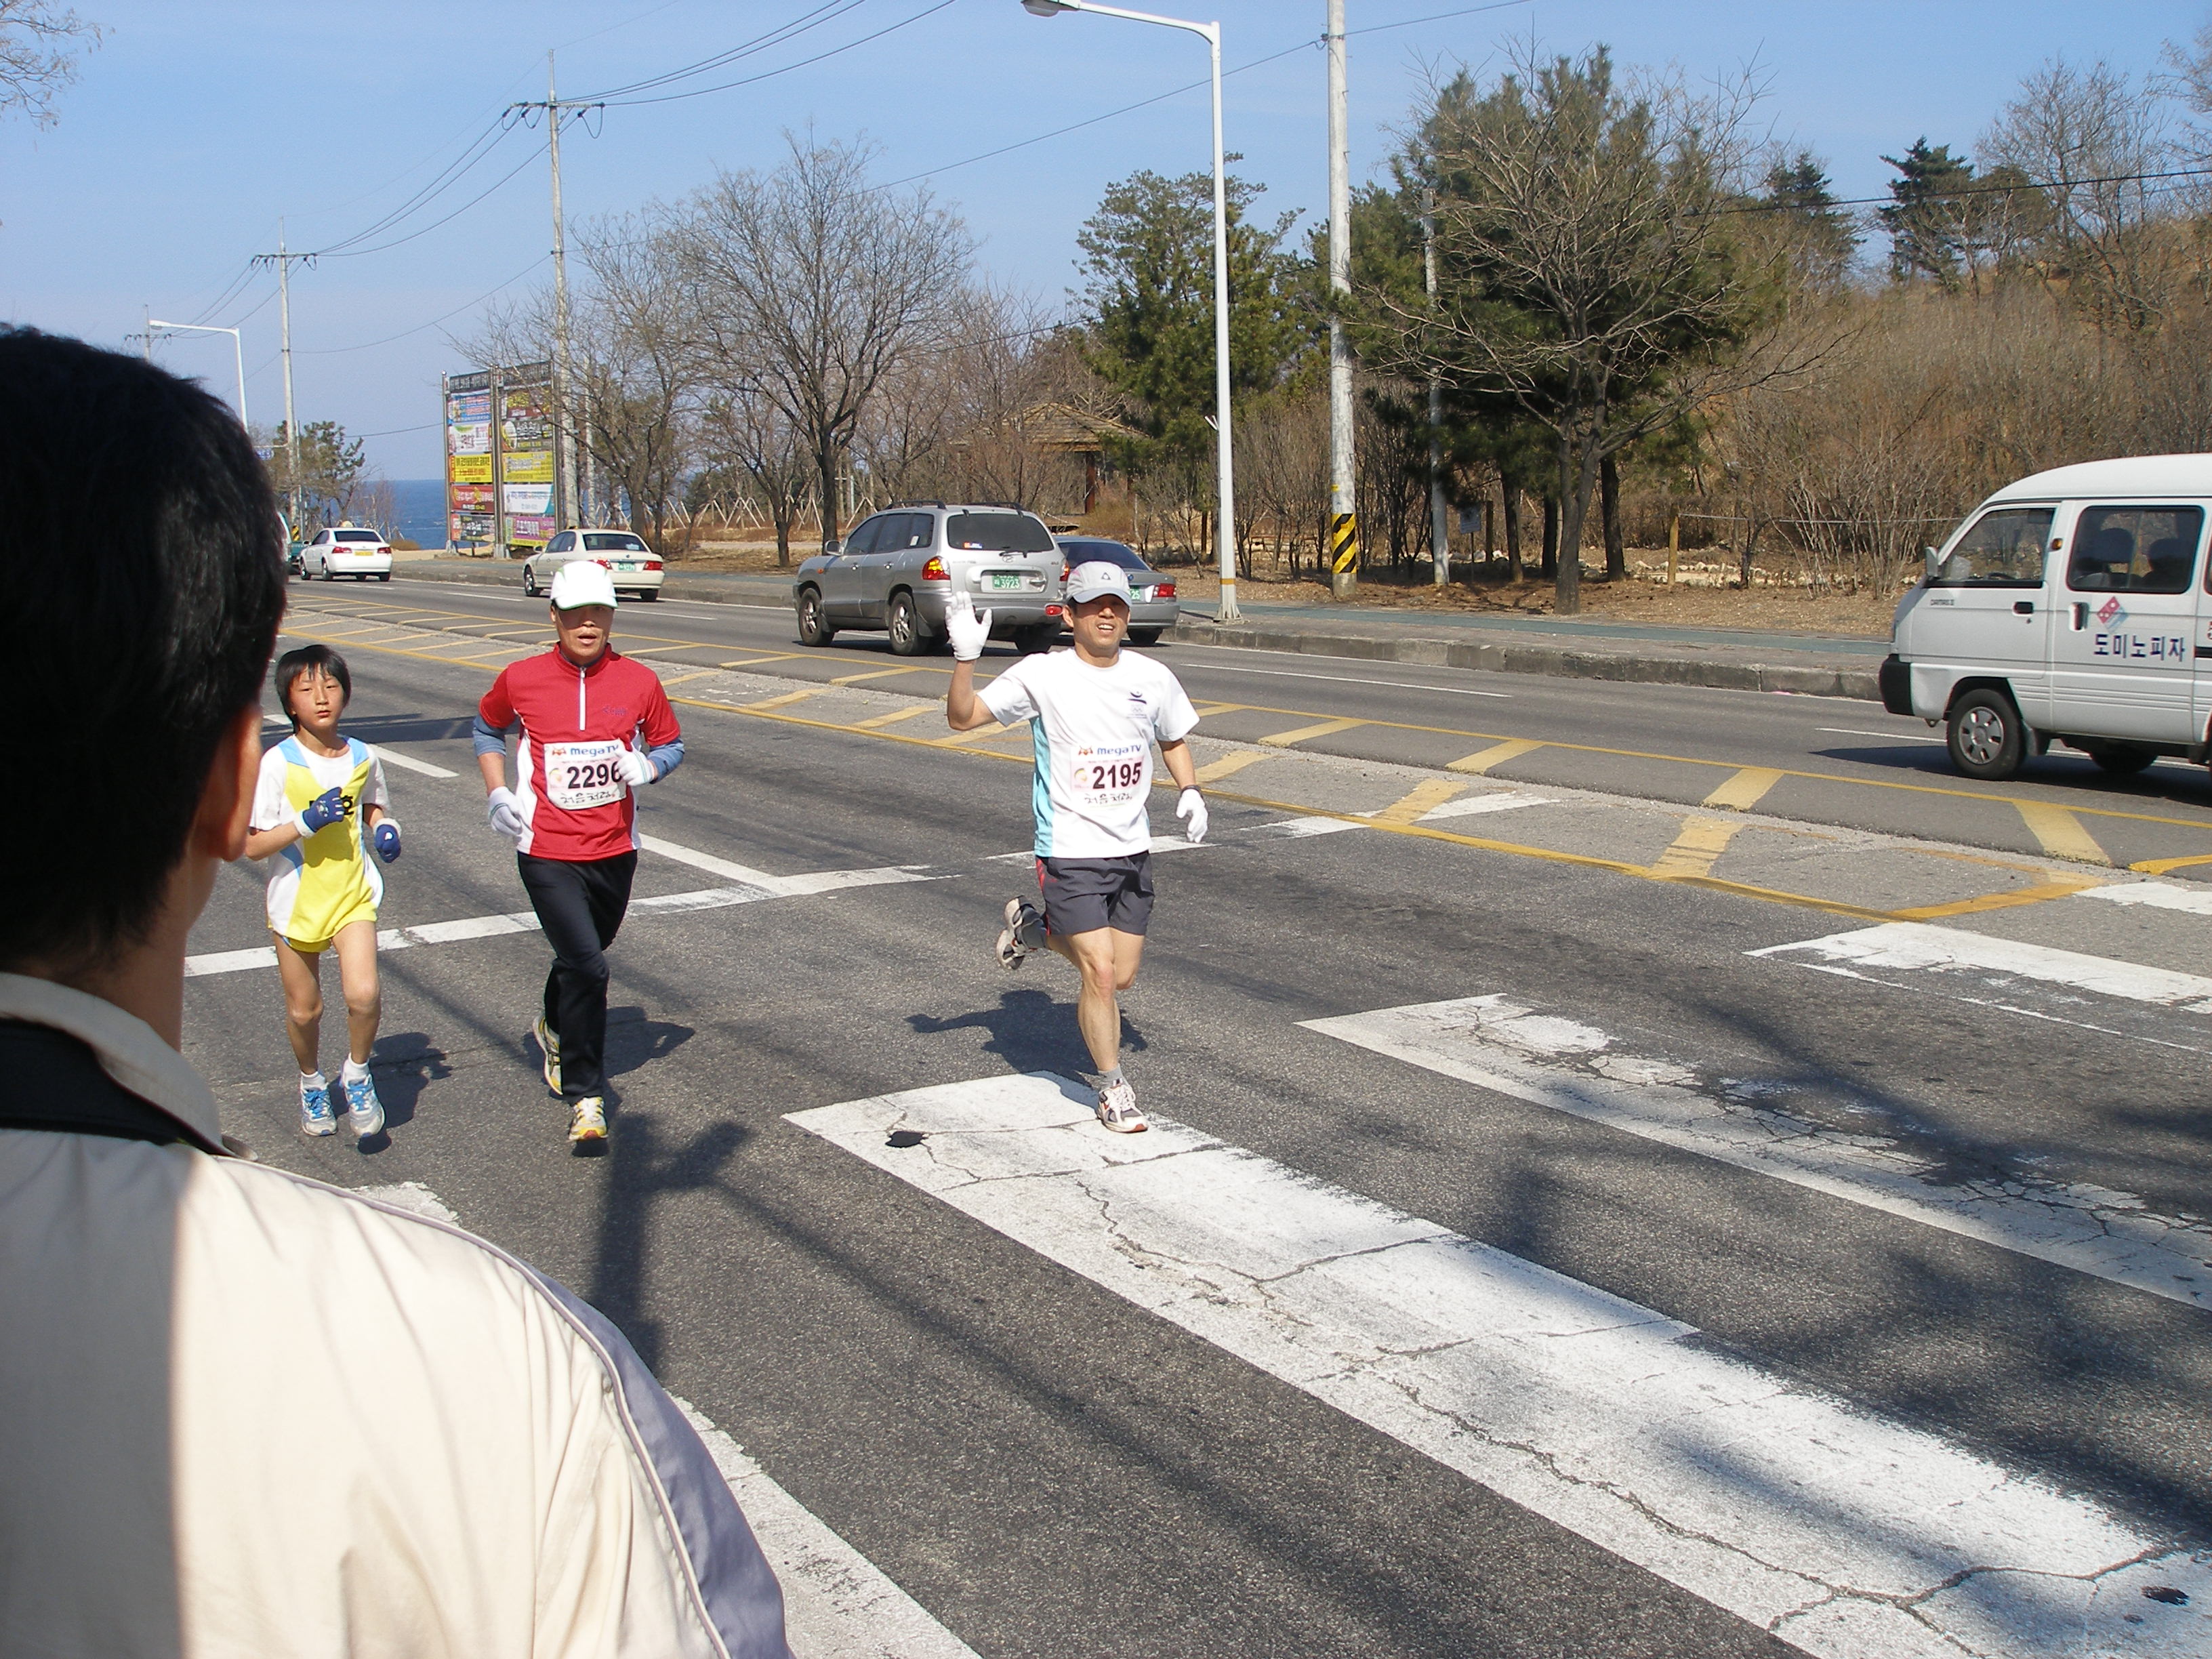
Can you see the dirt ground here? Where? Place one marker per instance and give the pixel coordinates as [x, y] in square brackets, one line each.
[1766, 607]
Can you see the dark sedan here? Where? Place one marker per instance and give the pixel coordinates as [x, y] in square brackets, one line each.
[1155, 608]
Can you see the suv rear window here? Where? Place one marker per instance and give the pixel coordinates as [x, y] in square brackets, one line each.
[614, 543]
[2004, 548]
[357, 536]
[997, 532]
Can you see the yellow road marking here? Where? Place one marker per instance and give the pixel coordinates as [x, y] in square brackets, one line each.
[2160, 866]
[876, 722]
[2051, 887]
[785, 700]
[1746, 789]
[701, 674]
[1205, 709]
[2061, 833]
[1228, 764]
[1497, 754]
[1429, 793]
[754, 662]
[1319, 729]
[882, 673]
[994, 735]
[1698, 848]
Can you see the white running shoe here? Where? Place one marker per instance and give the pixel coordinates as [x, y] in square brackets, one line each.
[587, 1121]
[1022, 933]
[549, 1045]
[1117, 1109]
[315, 1115]
[363, 1109]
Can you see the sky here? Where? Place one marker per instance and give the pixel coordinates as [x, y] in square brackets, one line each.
[198, 126]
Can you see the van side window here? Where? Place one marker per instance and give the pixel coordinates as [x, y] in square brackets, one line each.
[2003, 548]
[2134, 550]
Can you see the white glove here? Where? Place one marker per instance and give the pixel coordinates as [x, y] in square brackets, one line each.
[965, 629]
[1190, 807]
[636, 770]
[505, 816]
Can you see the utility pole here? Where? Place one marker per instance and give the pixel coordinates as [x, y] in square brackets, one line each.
[282, 260]
[1343, 517]
[564, 442]
[1439, 532]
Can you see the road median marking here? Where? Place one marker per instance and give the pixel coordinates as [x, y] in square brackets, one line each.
[1746, 789]
[1301, 734]
[2160, 866]
[1230, 765]
[1423, 798]
[876, 722]
[2041, 892]
[785, 700]
[1823, 1522]
[1698, 848]
[1483, 760]
[887, 673]
[2060, 833]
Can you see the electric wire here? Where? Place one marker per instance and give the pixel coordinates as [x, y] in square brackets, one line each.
[367, 345]
[828, 11]
[767, 75]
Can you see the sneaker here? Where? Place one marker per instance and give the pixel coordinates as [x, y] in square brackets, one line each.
[363, 1109]
[1117, 1109]
[315, 1115]
[549, 1045]
[1022, 933]
[587, 1121]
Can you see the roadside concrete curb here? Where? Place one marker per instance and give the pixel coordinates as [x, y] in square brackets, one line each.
[1499, 657]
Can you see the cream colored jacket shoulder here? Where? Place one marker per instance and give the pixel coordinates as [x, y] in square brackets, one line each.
[243, 1413]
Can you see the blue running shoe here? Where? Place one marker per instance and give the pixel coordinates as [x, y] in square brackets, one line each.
[315, 1118]
[363, 1109]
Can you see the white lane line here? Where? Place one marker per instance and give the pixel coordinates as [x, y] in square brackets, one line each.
[837, 1604]
[1500, 800]
[408, 763]
[1347, 679]
[1897, 737]
[2157, 895]
[835, 1601]
[1802, 1513]
[1913, 946]
[524, 921]
[1511, 1049]
[706, 861]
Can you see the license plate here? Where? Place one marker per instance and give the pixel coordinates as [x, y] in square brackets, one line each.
[1002, 580]
[624, 564]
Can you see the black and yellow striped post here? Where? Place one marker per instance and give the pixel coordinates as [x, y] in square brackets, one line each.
[1343, 553]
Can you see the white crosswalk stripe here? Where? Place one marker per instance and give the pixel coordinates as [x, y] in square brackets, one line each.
[1511, 1049]
[837, 1604]
[1848, 1536]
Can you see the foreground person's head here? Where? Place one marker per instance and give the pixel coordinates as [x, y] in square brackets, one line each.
[147, 561]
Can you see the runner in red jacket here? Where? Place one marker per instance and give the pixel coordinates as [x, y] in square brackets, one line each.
[594, 727]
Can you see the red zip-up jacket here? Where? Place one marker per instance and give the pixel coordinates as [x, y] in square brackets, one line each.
[573, 803]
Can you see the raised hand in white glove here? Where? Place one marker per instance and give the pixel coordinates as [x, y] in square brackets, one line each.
[965, 629]
[1190, 807]
[504, 815]
[636, 770]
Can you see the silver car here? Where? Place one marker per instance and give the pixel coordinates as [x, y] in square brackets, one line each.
[898, 567]
[1155, 608]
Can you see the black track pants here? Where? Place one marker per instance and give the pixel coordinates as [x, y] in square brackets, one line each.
[580, 907]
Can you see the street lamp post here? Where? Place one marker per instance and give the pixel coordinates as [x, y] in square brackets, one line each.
[1226, 507]
[238, 350]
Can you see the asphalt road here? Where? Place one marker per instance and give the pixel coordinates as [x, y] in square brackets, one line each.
[1902, 1214]
[1819, 760]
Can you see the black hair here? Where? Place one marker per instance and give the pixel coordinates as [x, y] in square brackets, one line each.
[149, 576]
[296, 665]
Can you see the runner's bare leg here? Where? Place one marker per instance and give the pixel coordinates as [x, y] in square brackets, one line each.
[303, 1001]
[1108, 960]
[356, 949]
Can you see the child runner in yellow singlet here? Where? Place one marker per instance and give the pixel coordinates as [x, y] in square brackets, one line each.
[318, 797]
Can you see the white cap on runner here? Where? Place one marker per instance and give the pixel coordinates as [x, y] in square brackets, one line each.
[580, 582]
[1095, 581]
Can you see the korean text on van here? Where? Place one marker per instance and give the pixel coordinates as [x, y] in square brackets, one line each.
[2072, 607]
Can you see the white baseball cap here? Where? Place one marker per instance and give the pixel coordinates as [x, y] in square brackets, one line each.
[1095, 581]
[581, 582]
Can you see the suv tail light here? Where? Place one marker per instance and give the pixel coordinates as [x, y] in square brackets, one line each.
[934, 571]
[1064, 568]
[1164, 591]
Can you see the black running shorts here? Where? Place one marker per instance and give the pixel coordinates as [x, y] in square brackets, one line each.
[1083, 894]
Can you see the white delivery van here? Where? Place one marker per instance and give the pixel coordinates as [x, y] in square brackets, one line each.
[2072, 607]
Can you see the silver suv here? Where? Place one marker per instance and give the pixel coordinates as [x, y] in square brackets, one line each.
[898, 567]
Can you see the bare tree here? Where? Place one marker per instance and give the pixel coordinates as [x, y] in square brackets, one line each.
[40, 41]
[824, 285]
[743, 434]
[1588, 271]
[635, 365]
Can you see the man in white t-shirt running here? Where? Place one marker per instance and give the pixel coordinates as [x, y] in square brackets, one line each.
[1094, 714]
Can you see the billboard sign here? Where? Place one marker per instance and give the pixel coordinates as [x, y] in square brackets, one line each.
[499, 458]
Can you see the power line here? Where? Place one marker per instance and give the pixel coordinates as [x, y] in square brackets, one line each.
[767, 75]
[368, 345]
[827, 12]
[400, 242]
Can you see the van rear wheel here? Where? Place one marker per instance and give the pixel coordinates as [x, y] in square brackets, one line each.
[2122, 760]
[1986, 737]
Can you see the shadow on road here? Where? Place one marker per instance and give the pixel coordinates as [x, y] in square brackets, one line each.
[1030, 1030]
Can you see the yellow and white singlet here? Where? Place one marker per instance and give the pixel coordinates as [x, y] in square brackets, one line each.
[324, 881]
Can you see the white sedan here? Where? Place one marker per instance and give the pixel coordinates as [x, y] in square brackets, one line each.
[635, 567]
[346, 551]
